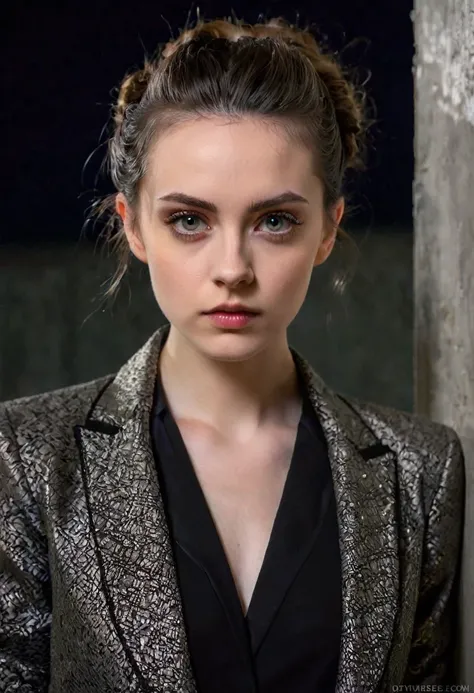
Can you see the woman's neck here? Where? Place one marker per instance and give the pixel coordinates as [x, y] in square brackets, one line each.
[238, 398]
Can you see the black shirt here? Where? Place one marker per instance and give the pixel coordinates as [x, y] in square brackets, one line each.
[289, 641]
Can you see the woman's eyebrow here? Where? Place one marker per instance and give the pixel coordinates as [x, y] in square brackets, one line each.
[256, 206]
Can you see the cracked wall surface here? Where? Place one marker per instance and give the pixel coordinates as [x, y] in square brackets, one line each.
[444, 246]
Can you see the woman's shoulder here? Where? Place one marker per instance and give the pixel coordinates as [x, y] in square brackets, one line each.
[424, 448]
[401, 427]
[55, 409]
[37, 435]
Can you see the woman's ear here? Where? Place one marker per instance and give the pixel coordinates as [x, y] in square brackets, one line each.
[330, 229]
[129, 226]
[338, 211]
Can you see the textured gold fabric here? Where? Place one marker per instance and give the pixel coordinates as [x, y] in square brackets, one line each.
[89, 599]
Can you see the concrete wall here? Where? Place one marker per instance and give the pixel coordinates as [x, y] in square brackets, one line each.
[444, 247]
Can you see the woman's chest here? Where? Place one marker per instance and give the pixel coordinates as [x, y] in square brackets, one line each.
[242, 486]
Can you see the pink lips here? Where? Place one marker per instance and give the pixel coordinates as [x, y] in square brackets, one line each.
[231, 320]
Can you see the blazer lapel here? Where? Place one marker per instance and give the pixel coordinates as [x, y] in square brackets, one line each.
[129, 529]
[364, 474]
[134, 551]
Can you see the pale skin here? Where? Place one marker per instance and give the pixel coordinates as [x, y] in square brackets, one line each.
[233, 393]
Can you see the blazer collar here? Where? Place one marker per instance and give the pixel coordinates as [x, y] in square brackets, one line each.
[134, 551]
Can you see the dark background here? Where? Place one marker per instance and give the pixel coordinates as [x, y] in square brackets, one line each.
[61, 62]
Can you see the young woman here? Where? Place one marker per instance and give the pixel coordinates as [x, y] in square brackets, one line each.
[213, 518]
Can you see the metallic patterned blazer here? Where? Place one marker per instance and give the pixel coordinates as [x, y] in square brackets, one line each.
[89, 599]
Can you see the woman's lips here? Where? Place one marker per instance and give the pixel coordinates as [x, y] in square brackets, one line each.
[233, 320]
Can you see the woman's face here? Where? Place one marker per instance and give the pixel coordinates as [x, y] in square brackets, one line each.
[229, 253]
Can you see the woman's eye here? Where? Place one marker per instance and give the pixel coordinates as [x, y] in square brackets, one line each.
[278, 224]
[276, 221]
[189, 220]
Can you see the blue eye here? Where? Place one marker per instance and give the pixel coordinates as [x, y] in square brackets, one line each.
[279, 217]
[191, 234]
[186, 217]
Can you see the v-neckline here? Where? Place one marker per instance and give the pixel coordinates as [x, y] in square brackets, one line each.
[289, 543]
[205, 517]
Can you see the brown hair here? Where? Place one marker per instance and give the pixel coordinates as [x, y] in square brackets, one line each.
[233, 69]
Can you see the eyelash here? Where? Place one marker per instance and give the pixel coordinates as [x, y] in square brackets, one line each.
[191, 235]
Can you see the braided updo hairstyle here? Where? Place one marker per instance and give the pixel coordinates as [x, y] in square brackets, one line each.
[232, 69]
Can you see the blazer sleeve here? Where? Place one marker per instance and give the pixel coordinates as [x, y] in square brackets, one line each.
[25, 611]
[432, 653]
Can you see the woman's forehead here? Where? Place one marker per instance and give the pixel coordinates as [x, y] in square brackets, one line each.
[234, 154]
